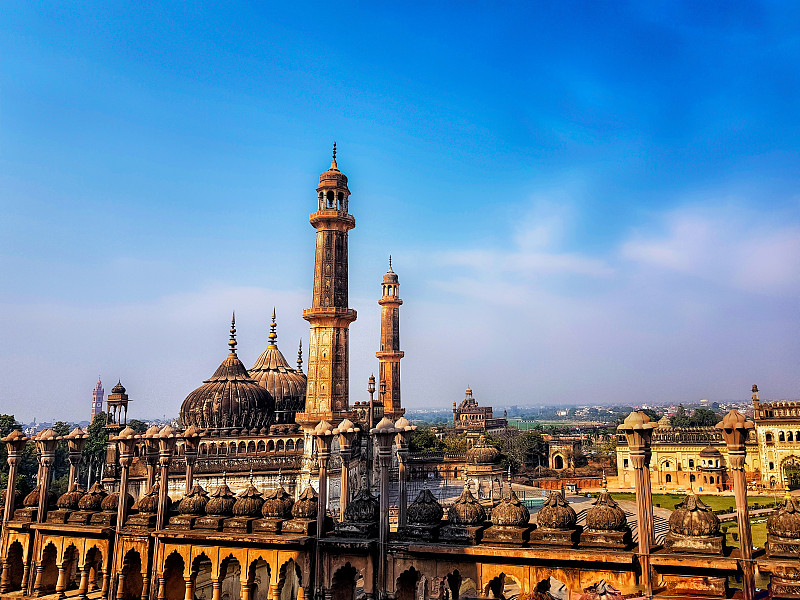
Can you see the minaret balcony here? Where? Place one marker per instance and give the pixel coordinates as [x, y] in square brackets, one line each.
[330, 312]
[333, 218]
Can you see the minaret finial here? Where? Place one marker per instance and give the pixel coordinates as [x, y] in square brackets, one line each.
[300, 357]
[273, 336]
[232, 341]
[390, 263]
[333, 162]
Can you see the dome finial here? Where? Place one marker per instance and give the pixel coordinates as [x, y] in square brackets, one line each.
[273, 336]
[390, 264]
[232, 341]
[333, 162]
[300, 357]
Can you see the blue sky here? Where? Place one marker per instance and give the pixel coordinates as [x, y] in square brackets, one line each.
[586, 202]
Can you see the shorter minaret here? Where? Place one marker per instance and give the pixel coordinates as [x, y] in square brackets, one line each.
[97, 399]
[390, 354]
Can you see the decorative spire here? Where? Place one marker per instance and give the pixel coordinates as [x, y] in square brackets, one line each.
[333, 162]
[390, 264]
[232, 341]
[273, 336]
[300, 357]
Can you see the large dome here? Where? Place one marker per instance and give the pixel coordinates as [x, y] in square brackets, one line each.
[285, 384]
[230, 402]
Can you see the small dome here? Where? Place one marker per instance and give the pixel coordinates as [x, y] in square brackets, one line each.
[606, 514]
[425, 510]
[482, 453]
[230, 399]
[111, 502]
[248, 503]
[363, 508]
[93, 500]
[784, 521]
[194, 503]
[118, 389]
[70, 500]
[306, 506]
[511, 512]
[466, 510]
[17, 497]
[556, 513]
[32, 499]
[149, 502]
[220, 502]
[278, 504]
[710, 451]
[693, 518]
[664, 423]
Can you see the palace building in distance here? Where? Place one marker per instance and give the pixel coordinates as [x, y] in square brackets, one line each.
[276, 487]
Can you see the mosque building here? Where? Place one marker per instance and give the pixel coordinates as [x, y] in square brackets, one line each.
[237, 502]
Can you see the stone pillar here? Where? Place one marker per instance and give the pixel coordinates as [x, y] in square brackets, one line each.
[275, 592]
[191, 439]
[145, 585]
[162, 588]
[83, 589]
[26, 573]
[384, 433]
[166, 446]
[216, 586]
[37, 583]
[323, 435]
[15, 444]
[76, 440]
[346, 433]
[46, 443]
[301, 593]
[106, 583]
[5, 578]
[638, 430]
[190, 583]
[121, 585]
[246, 587]
[735, 430]
[404, 430]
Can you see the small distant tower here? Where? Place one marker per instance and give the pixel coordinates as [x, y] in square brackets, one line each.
[390, 354]
[97, 399]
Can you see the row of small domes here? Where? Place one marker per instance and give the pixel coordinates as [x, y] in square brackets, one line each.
[249, 503]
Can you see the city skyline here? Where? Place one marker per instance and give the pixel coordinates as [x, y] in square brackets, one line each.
[614, 221]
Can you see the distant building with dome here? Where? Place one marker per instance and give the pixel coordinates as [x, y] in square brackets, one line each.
[469, 417]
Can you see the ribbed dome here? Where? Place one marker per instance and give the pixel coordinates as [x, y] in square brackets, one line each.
[278, 504]
[425, 510]
[118, 389]
[482, 453]
[93, 500]
[221, 502]
[511, 511]
[194, 503]
[556, 513]
[363, 508]
[785, 520]
[606, 515]
[710, 451]
[248, 503]
[306, 506]
[466, 510]
[111, 502]
[70, 500]
[693, 518]
[149, 502]
[286, 385]
[229, 400]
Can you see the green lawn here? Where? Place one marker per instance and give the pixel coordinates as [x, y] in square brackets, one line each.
[757, 529]
[726, 503]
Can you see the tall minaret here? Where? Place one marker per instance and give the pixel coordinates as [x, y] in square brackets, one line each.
[329, 316]
[390, 354]
[97, 399]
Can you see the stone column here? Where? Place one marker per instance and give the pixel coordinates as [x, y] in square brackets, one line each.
[638, 430]
[37, 583]
[323, 435]
[83, 589]
[26, 573]
[274, 592]
[166, 446]
[301, 593]
[191, 439]
[216, 587]
[404, 430]
[346, 433]
[384, 433]
[145, 585]
[121, 585]
[76, 440]
[15, 444]
[125, 442]
[735, 430]
[162, 588]
[46, 443]
[190, 583]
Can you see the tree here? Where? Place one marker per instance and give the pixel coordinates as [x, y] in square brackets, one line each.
[654, 416]
[137, 425]
[7, 424]
[424, 440]
[681, 419]
[94, 451]
[704, 417]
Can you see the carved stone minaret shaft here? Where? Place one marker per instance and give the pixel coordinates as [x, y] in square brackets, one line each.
[329, 316]
[390, 354]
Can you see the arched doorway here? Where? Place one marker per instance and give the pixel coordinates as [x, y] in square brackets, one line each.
[231, 579]
[132, 572]
[503, 587]
[174, 585]
[406, 585]
[201, 576]
[94, 567]
[13, 568]
[49, 570]
[258, 580]
[343, 586]
[790, 467]
[558, 462]
[70, 565]
[289, 580]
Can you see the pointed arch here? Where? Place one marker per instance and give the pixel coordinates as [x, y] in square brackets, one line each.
[343, 584]
[406, 584]
[259, 577]
[133, 582]
[14, 567]
[174, 584]
[290, 578]
[49, 569]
